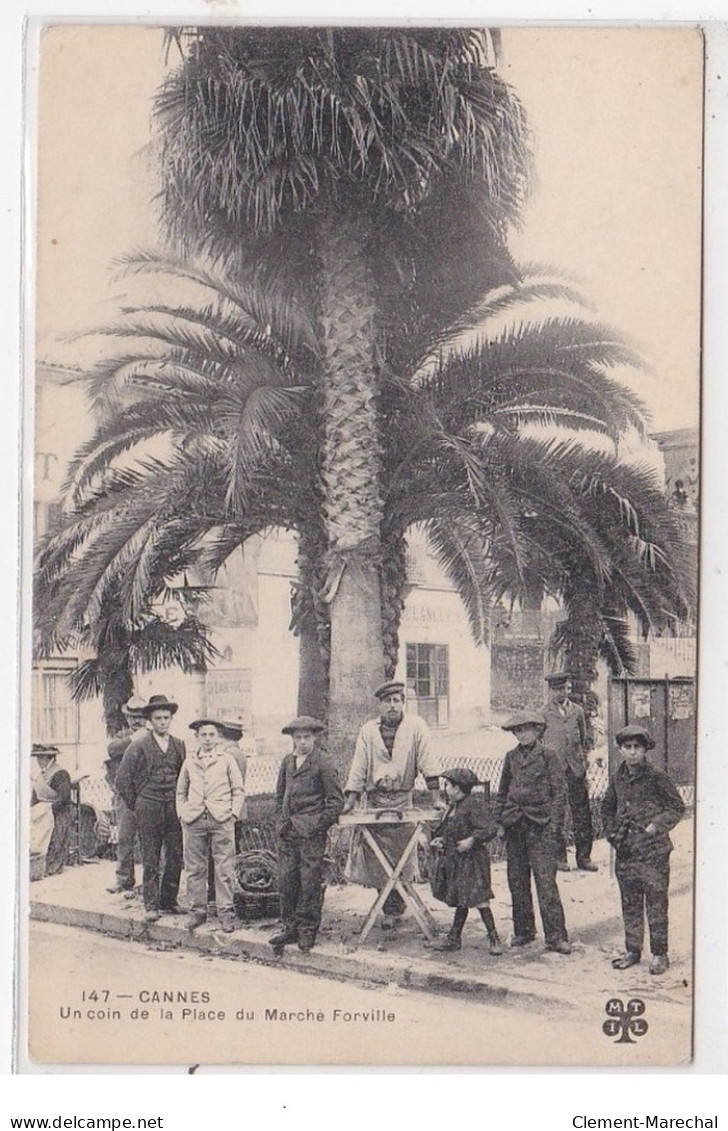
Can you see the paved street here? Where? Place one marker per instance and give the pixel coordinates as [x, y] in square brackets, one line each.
[90, 993]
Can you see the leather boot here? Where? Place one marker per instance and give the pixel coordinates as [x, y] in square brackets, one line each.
[486, 915]
[495, 947]
[450, 942]
[287, 934]
[453, 939]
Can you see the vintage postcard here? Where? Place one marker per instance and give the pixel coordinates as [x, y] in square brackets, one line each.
[364, 432]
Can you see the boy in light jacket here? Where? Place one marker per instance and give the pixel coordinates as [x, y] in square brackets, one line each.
[209, 800]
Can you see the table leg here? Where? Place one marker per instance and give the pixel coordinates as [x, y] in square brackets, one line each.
[390, 871]
[422, 916]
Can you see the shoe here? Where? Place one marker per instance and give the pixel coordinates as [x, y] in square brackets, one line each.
[305, 945]
[151, 916]
[561, 946]
[495, 948]
[195, 919]
[563, 866]
[284, 936]
[118, 888]
[173, 909]
[659, 964]
[228, 924]
[586, 866]
[629, 958]
[522, 940]
[449, 943]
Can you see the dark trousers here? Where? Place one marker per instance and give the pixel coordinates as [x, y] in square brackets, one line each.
[532, 850]
[301, 881]
[643, 886]
[159, 828]
[581, 819]
[125, 838]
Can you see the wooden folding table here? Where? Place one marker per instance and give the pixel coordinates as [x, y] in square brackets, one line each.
[370, 819]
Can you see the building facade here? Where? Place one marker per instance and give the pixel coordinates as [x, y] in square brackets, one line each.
[247, 612]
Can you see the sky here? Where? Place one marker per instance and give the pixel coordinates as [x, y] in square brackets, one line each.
[615, 116]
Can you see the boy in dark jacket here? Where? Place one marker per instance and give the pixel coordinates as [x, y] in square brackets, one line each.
[308, 801]
[147, 782]
[640, 807]
[529, 810]
[460, 874]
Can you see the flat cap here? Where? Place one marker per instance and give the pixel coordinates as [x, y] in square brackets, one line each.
[303, 722]
[524, 719]
[391, 687]
[462, 776]
[632, 731]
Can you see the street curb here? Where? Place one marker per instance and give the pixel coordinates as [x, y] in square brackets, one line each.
[371, 968]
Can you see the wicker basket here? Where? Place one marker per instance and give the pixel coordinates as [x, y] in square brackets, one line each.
[256, 892]
[250, 906]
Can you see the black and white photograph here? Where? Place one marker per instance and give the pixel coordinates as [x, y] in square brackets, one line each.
[364, 440]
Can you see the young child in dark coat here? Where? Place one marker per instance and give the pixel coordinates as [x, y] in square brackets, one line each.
[461, 870]
[640, 807]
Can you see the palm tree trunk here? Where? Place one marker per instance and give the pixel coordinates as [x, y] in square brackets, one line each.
[310, 622]
[118, 688]
[583, 635]
[351, 472]
[393, 582]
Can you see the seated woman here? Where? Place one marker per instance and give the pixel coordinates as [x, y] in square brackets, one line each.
[51, 810]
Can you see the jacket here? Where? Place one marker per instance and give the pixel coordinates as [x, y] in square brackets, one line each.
[634, 800]
[463, 879]
[532, 786]
[215, 787]
[566, 734]
[373, 769]
[231, 747]
[135, 768]
[308, 799]
[472, 816]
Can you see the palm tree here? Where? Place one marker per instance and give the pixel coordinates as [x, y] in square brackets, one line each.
[226, 379]
[375, 170]
[120, 651]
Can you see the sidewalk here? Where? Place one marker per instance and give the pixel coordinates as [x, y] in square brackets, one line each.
[528, 976]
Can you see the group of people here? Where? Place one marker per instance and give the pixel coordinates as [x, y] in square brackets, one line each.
[185, 808]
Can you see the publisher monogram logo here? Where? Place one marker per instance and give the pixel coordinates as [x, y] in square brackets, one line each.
[625, 1023]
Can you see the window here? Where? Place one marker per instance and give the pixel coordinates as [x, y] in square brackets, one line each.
[54, 713]
[428, 681]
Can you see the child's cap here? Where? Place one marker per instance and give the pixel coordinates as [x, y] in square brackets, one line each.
[524, 719]
[461, 776]
[197, 723]
[640, 733]
[303, 722]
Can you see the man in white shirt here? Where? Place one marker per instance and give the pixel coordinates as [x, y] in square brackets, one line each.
[390, 752]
